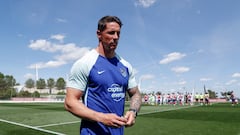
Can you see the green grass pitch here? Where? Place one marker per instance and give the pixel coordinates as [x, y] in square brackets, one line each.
[51, 118]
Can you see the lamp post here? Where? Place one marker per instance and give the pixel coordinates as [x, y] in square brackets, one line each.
[11, 89]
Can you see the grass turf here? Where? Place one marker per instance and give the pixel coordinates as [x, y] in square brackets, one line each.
[218, 119]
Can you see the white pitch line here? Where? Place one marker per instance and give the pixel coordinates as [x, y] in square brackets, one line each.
[170, 109]
[31, 127]
[57, 124]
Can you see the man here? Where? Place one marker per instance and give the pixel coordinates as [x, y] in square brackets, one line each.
[206, 97]
[197, 97]
[201, 96]
[101, 78]
[232, 97]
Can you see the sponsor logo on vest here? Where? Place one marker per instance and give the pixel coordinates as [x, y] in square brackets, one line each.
[117, 92]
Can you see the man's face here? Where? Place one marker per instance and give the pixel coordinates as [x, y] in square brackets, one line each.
[110, 36]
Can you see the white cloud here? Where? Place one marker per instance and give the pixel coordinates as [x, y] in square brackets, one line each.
[205, 79]
[231, 82]
[47, 46]
[145, 3]
[172, 57]
[64, 52]
[236, 75]
[182, 82]
[42, 44]
[180, 69]
[61, 20]
[49, 64]
[58, 37]
[70, 53]
[147, 77]
[20, 35]
[29, 75]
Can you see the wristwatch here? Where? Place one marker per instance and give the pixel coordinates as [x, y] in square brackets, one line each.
[134, 110]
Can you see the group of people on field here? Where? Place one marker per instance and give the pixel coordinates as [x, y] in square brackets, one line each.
[233, 99]
[176, 99]
[202, 99]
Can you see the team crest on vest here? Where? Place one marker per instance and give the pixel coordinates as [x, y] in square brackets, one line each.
[123, 72]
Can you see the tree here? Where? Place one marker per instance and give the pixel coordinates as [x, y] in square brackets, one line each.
[212, 94]
[226, 95]
[50, 84]
[30, 83]
[7, 83]
[10, 81]
[60, 84]
[41, 84]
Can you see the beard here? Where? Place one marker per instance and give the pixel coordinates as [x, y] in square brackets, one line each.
[110, 46]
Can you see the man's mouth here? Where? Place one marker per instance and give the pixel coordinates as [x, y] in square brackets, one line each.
[113, 44]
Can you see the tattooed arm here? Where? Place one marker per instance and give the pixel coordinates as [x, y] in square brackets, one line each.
[135, 104]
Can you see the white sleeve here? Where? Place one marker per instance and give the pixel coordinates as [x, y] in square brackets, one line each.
[80, 70]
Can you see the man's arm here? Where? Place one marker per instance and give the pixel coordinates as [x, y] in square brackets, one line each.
[136, 98]
[135, 104]
[77, 108]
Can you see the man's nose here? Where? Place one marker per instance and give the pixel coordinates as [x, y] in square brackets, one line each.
[116, 35]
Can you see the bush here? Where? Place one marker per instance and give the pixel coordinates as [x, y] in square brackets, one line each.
[24, 94]
[36, 94]
[61, 93]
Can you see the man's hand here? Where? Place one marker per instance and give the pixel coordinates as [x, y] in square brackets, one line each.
[130, 116]
[113, 120]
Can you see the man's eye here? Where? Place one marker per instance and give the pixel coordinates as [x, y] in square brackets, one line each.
[113, 32]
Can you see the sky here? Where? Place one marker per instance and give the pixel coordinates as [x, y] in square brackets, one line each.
[173, 45]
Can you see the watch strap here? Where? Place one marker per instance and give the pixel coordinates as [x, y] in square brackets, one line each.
[133, 110]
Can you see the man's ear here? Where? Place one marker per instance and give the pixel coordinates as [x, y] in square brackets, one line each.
[99, 34]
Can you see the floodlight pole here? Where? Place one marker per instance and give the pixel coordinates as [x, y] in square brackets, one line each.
[11, 89]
